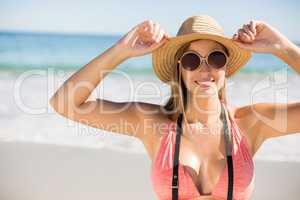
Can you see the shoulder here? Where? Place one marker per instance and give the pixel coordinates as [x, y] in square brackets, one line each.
[151, 113]
[248, 123]
[246, 115]
[154, 122]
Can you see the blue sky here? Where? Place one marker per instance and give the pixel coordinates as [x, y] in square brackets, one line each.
[117, 17]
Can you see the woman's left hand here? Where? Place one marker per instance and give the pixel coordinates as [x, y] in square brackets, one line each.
[260, 37]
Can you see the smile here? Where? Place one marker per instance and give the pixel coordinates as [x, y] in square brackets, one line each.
[204, 83]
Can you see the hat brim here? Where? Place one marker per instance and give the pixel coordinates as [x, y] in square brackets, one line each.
[164, 60]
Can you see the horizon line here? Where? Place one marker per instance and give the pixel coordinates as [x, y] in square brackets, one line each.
[83, 34]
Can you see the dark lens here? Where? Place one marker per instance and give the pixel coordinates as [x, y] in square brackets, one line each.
[190, 61]
[217, 59]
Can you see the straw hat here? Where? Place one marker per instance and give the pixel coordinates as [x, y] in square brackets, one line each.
[165, 58]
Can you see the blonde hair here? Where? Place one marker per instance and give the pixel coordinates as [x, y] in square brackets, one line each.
[178, 99]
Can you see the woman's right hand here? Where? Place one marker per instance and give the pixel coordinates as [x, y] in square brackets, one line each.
[143, 39]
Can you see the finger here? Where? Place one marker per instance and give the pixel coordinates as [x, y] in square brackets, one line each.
[160, 43]
[246, 29]
[132, 34]
[244, 36]
[152, 47]
[145, 33]
[151, 26]
[167, 35]
[235, 36]
[252, 27]
[156, 31]
[259, 26]
[141, 30]
[161, 35]
[133, 40]
[146, 28]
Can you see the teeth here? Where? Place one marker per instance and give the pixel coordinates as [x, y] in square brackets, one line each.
[205, 81]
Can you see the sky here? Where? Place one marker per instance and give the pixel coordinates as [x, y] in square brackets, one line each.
[118, 17]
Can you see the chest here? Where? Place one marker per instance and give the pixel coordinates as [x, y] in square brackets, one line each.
[202, 160]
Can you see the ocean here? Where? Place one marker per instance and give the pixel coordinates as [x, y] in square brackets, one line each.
[51, 58]
[23, 51]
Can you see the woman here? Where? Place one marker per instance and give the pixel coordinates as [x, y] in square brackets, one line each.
[196, 64]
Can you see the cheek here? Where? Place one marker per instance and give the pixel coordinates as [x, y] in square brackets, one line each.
[187, 79]
[220, 82]
[219, 78]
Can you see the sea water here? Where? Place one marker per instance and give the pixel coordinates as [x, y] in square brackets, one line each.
[34, 65]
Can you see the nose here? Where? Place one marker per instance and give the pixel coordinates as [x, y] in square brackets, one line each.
[203, 67]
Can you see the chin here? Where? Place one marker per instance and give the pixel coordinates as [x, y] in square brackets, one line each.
[207, 92]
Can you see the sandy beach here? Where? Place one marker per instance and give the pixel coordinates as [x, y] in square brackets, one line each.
[33, 171]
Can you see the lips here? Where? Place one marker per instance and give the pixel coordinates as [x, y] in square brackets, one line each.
[204, 83]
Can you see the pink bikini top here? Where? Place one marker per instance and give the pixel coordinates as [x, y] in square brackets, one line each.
[243, 167]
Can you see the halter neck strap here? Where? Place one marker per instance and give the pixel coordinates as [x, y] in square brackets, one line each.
[228, 148]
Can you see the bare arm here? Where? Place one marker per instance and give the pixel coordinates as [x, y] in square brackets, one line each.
[70, 100]
[261, 37]
[280, 118]
[75, 91]
[270, 119]
[290, 54]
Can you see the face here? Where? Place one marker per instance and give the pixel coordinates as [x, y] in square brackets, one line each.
[204, 80]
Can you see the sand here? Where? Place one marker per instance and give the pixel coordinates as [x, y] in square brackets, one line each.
[36, 171]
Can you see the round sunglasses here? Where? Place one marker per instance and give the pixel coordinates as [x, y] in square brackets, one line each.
[191, 60]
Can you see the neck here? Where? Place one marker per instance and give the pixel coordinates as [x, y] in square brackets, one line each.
[205, 110]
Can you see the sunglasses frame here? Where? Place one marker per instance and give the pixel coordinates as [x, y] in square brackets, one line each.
[205, 58]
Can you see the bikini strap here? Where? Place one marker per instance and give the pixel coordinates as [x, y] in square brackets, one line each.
[227, 131]
[228, 147]
[175, 181]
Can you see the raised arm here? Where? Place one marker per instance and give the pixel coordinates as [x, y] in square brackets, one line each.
[70, 100]
[273, 119]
